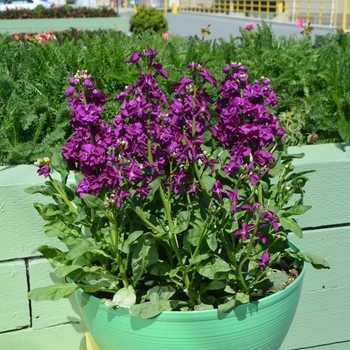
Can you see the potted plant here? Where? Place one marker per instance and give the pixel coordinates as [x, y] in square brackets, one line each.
[177, 226]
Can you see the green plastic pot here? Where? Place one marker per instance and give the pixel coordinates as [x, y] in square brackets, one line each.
[260, 325]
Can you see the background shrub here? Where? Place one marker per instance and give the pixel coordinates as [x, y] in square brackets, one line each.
[58, 12]
[148, 19]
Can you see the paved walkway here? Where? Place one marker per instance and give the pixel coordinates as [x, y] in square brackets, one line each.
[185, 23]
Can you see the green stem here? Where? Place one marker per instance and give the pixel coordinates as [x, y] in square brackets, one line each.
[240, 273]
[115, 241]
[63, 196]
[228, 251]
[200, 180]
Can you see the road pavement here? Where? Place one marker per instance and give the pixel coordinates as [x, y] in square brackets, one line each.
[190, 24]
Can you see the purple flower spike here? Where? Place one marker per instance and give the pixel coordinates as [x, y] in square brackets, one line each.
[264, 260]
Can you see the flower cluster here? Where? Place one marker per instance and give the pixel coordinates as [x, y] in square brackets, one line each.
[177, 193]
[146, 143]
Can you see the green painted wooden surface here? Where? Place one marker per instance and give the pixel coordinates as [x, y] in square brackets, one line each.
[58, 24]
[63, 337]
[20, 228]
[323, 313]
[14, 311]
[329, 188]
[50, 313]
[322, 320]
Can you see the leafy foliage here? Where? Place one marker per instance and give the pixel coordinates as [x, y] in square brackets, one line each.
[148, 19]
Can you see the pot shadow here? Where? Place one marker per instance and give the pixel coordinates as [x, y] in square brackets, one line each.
[240, 311]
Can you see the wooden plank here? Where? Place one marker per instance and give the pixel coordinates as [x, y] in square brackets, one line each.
[322, 318]
[50, 313]
[70, 337]
[334, 346]
[332, 244]
[21, 224]
[323, 312]
[14, 306]
[328, 190]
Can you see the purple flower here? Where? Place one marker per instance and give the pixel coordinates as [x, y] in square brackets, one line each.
[69, 91]
[184, 81]
[269, 215]
[119, 196]
[243, 231]
[159, 68]
[264, 260]
[204, 73]
[233, 196]
[250, 207]
[44, 170]
[134, 58]
[217, 189]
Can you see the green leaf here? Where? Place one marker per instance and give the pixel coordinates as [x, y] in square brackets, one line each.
[160, 293]
[193, 236]
[271, 283]
[125, 297]
[57, 162]
[65, 232]
[292, 225]
[159, 268]
[93, 202]
[64, 271]
[316, 261]
[240, 298]
[144, 254]
[216, 285]
[155, 185]
[202, 307]
[182, 221]
[289, 157]
[151, 309]
[82, 246]
[208, 182]
[196, 260]
[50, 212]
[295, 210]
[53, 255]
[211, 241]
[44, 190]
[53, 292]
[216, 265]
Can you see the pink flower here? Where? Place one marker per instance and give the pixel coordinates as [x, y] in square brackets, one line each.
[16, 37]
[249, 26]
[26, 37]
[165, 35]
[43, 37]
[299, 22]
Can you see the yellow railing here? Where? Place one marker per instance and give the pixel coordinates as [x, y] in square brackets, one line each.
[314, 11]
[321, 12]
